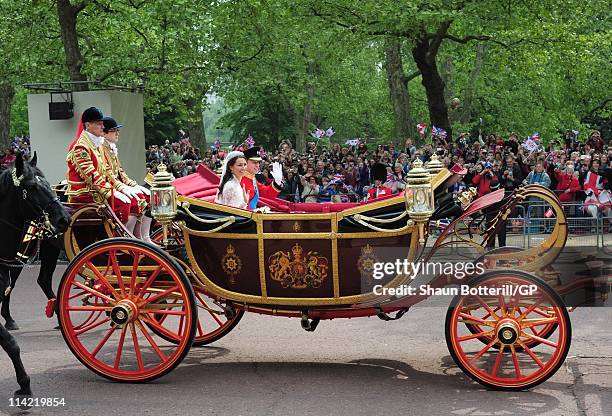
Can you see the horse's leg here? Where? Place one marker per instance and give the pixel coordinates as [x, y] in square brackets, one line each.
[49, 254]
[9, 344]
[11, 325]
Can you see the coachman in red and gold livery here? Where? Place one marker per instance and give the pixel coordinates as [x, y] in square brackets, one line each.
[88, 177]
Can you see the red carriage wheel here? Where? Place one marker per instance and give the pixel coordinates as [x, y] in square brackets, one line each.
[213, 321]
[108, 299]
[541, 331]
[508, 321]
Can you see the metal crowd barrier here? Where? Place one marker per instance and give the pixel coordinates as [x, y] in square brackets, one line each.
[529, 225]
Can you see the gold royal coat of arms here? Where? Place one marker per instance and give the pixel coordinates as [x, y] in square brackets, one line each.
[298, 271]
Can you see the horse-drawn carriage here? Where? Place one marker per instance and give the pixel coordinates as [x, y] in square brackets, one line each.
[130, 311]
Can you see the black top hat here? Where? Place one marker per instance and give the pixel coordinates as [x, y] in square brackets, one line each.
[110, 124]
[379, 172]
[252, 153]
[91, 114]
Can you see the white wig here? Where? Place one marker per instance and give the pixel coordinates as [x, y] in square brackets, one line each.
[231, 155]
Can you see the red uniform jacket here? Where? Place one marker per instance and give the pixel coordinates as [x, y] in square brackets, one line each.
[87, 172]
[265, 191]
[374, 193]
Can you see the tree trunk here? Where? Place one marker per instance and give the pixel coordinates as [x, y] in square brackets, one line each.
[448, 78]
[398, 90]
[425, 59]
[195, 126]
[67, 15]
[7, 92]
[466, 110]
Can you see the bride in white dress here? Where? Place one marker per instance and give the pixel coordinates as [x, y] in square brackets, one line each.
[230, 191]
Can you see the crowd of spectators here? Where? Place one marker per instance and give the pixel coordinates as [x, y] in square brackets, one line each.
[18, 145]
[181, 157]
[342, 173]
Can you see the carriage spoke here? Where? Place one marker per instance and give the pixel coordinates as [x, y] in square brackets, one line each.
[541, 340]
[91, 326]
[135, 264]
[150, 280]
[160, 295]
[159, 328]
[531, 354]
[209, 310]
[95, 270]
[515, 361]
[200, 329]
[94, 292]
[136, 346]
[529, 310]
[88, 308]
[470, 319]
[500, 353]
[153, 344]
[117, 271]
[163, 312]
[180, 328]
[541, 312]
[530, 323]
[120, 347]
[487, 307]
[101, 344]
[502, 304]
[482, 351]
[478, 335]
[76, 295]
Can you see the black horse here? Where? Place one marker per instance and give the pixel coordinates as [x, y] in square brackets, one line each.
[48, 254]
[26, 197]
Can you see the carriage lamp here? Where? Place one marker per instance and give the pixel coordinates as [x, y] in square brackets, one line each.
[163, 199]
[434, 166]
[419, 196]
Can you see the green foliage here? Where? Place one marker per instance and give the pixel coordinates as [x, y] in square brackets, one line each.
[546, 66]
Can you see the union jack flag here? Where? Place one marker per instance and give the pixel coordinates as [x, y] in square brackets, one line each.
[338, 177]
[422, 129]
[249, 142]
[438, 133]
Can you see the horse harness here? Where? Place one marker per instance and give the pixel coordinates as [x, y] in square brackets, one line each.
[33, 230]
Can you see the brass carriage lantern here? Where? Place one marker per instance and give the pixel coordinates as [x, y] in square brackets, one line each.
[163, 199]
[419, 196]
[434, 166]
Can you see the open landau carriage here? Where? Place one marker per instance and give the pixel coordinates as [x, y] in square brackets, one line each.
[130, 311]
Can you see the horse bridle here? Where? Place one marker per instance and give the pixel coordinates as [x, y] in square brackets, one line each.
[43, 224]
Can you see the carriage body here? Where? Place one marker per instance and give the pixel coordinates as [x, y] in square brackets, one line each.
[222, 261]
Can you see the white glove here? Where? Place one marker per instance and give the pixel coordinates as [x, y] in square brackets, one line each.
[144, 190]
[122, 197]
[130, 192]
[277, 172]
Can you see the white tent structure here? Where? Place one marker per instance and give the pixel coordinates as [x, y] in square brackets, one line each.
[51, 138]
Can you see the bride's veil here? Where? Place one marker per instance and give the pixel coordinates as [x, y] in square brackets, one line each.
[231, 155]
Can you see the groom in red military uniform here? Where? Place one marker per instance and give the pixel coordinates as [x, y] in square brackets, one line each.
[251, 186]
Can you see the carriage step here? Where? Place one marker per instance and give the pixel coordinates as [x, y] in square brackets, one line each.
[382, 315]
[309, 324]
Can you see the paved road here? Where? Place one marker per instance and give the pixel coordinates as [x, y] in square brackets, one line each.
[270, 366]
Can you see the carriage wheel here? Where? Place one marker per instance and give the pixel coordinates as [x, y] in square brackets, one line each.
[510, 317]
[213, 323]
[541, 331]
[117, 344]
